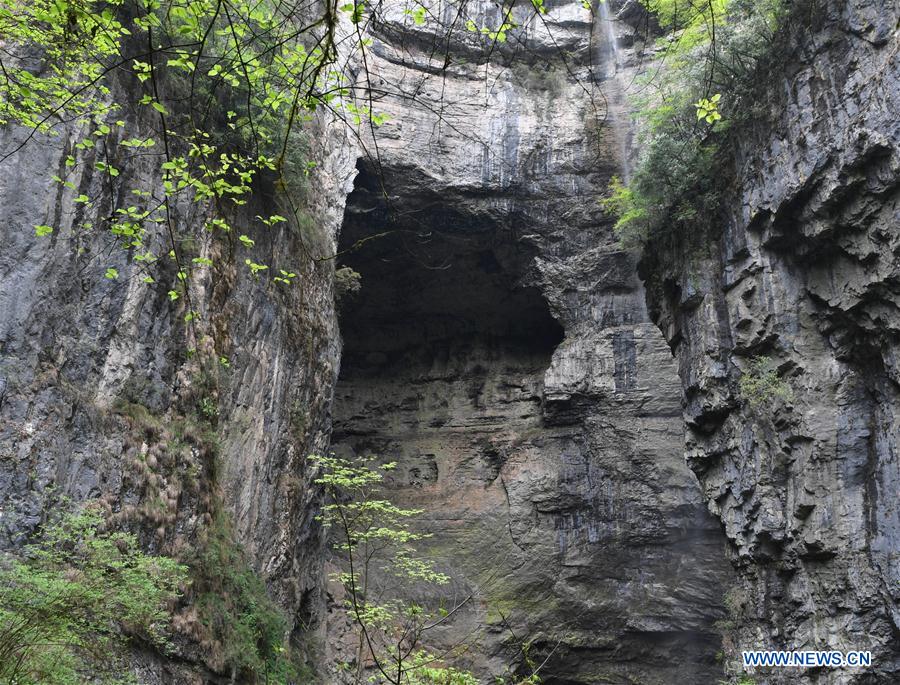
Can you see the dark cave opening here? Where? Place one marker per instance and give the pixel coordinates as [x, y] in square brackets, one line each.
[445, 348]
[434, 278]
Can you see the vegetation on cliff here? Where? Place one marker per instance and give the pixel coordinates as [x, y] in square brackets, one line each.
[68, 606]
[710, 53]
[225, 608]
[174, 116]
[210, 95]
[216, 92]
[374, 542]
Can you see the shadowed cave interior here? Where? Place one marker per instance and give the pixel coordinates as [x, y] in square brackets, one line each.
[445, 350]
[434, 282]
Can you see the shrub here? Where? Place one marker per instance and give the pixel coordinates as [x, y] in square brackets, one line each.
[711, 55]
[247, 628]
[347, 282]
[761, 383]
[70, 603]
[373, 535]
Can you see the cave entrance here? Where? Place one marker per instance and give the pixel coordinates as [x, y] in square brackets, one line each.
[445, 348]
[565, 529]
[439, 279]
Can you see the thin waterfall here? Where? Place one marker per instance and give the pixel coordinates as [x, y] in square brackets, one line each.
[608, 45]
[608, 67]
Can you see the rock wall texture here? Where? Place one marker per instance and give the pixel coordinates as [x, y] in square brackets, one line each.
[500, 350]
[805, 272]
[100, 398]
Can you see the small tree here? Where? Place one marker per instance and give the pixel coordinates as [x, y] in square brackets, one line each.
[69, 603]
[372, 532]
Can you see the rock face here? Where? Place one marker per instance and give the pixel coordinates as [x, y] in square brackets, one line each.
[500, 350]
[87, 362]
[805, 273]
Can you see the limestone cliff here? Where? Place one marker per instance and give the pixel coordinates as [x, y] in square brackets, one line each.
[107, 394]
[538, 394]
[501, 351]
[804, 272]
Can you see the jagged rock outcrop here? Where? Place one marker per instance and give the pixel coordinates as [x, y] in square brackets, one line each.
[501, 352]
[805, 272]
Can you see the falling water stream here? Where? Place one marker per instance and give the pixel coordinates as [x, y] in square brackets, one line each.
[608, 45]
[608, 67]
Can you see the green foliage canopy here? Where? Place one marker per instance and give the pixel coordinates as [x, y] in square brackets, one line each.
[709, 56]
[218, 87]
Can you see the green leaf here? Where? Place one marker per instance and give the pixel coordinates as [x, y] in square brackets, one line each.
[139, 142]
[111, 273]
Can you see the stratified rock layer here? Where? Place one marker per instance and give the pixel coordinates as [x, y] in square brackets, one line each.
[107, 394]
[500, 351]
